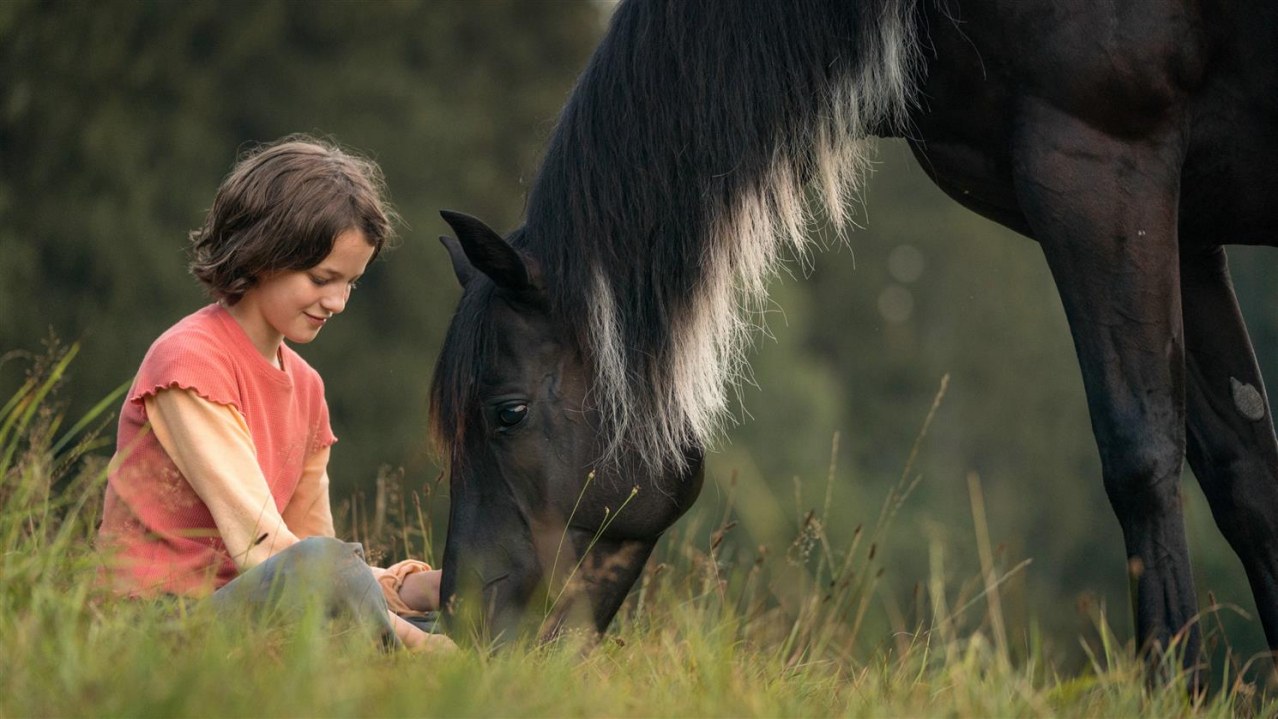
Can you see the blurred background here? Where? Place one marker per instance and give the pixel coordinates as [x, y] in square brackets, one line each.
[118, 120]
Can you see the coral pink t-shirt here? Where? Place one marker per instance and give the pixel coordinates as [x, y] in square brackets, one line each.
[160, 536]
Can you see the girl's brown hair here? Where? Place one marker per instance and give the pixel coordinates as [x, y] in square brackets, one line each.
[281, 208]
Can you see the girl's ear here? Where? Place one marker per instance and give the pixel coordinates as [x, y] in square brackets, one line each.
[485, 251]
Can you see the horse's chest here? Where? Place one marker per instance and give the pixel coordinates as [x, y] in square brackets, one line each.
[960, 132]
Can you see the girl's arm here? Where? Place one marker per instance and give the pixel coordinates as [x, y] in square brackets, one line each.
[410, 586]
[211, 445]
[309, 513]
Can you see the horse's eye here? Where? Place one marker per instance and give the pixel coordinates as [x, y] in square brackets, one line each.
[512, 414]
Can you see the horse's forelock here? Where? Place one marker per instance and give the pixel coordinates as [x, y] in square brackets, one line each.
[454, 389]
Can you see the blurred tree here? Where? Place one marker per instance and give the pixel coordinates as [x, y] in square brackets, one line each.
[119, 119]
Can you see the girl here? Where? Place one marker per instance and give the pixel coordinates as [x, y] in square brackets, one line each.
[219, 484]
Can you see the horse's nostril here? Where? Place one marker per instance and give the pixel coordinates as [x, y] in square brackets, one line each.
[490, 582]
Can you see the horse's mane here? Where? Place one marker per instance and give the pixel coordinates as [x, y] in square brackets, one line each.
[675, 182]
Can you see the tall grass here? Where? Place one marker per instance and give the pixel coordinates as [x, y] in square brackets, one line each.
[714, 628]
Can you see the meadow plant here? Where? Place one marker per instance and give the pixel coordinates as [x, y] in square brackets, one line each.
[714, 628]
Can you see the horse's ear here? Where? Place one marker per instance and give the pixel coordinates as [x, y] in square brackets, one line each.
[461, 264]
[485, 251]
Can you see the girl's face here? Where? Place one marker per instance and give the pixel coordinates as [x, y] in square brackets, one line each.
[295, 304]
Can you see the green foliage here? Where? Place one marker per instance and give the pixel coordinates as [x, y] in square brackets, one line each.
[118, 121]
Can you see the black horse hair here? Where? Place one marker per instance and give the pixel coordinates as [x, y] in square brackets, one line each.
[673, 186]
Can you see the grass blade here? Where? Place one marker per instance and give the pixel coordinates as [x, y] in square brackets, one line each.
[97, 409]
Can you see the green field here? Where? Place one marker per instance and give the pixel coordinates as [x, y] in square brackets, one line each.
[711, 630]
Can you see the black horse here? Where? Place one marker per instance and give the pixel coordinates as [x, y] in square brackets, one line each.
[592, 351]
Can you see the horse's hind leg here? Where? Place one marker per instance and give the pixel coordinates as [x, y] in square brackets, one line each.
[1104, 210]
[1231, 444]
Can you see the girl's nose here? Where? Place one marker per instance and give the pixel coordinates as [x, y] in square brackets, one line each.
[335, 302]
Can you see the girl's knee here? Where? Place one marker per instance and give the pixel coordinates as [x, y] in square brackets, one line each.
[335, 568]
[315, 568]
[320, 573]
[324, 549]
[322, 556]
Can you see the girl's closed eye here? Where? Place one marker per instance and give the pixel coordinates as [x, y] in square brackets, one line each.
[322, 281]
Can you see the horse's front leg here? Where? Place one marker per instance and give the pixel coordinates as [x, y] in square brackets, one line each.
[1231, 443]
[1104, 210]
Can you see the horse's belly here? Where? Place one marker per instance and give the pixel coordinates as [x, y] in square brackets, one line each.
[1229, 187]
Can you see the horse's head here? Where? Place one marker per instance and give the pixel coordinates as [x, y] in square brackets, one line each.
[541, 533]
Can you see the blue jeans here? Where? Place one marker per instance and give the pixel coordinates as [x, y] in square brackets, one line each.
[320, 573]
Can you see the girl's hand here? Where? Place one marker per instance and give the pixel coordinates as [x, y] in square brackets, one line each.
[420, 590]
[417, 641]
